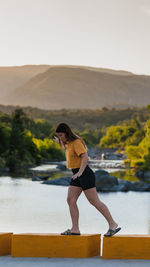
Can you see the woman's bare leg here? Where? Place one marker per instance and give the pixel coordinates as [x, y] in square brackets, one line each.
[93, 198]
[73, 195]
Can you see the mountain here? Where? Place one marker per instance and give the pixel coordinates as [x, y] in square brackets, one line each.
[12, 77]
[73, 87]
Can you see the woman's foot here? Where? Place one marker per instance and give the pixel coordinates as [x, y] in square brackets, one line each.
[112, 229]
[76, 231]
[111, 232]
[69, 232]
[113, 226]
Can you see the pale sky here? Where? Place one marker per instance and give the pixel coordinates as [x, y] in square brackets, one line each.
[100, 33]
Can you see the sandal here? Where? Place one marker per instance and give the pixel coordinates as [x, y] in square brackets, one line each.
[68, 232]
[112, 232]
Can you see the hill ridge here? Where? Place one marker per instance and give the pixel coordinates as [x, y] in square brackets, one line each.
[69, 86]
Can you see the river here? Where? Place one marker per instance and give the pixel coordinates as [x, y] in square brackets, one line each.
[33, 207]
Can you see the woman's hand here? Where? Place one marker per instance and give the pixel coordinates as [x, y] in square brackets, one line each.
[76, 175]
[56, 139]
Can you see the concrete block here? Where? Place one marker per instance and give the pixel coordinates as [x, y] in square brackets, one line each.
[126, 247]
[56, 245]
[5, 243]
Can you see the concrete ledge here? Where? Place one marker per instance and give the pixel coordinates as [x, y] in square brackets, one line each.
[5, 243]
[54, 245]
[126, 247]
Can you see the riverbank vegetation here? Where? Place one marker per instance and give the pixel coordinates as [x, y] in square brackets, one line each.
[26, 134]
[25, 142]
[133, 139]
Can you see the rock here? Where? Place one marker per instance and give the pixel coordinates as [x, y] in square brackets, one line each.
[62, 181]
[140, 174]
[119, 188]
[104, 181]
[143, 176]
[123, 185]
[36, 178]
[61, 167]
[116, 188]
[101, 173]
[39, 178]
[147, 176]
[135, 186]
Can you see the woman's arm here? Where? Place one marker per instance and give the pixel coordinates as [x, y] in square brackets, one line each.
[84, 163]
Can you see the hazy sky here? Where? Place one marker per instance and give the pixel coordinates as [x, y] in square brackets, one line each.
[101, 33]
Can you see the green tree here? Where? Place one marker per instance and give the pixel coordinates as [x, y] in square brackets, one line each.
[48, 149]
[17, 149]
[139, 155]
[4, 139]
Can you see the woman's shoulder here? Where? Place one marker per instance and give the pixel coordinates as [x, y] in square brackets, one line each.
[77, 140]
[74, 142]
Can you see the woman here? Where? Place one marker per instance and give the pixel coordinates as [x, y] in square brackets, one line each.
[83, 179]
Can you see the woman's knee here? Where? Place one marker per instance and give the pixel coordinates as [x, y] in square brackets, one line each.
[94, 200]
[71, 200]
[73, 194]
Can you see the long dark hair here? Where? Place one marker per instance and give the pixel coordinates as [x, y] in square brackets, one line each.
[70, 135]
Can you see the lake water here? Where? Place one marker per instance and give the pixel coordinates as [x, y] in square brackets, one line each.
[27, 206]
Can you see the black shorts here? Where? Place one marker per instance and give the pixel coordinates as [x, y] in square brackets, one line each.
[86, 180]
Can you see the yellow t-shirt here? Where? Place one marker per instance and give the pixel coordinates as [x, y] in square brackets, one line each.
[73, 151]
